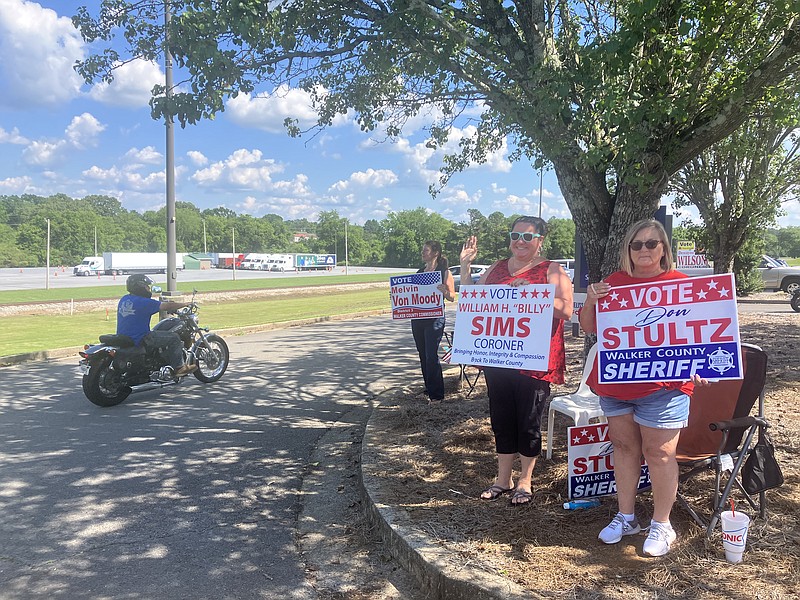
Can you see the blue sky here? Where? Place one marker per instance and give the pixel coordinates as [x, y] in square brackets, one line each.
[58, 135]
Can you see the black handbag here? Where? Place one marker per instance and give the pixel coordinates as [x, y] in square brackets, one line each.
[761, 471]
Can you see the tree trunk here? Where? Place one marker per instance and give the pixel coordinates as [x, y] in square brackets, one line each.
[593, 207]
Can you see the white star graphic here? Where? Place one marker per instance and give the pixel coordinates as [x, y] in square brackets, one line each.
[723, 292]
[702, 294]
[623, 303]
[576, 440]
[614, 295]
[712, 285]
[605, 305]
[584, 432]
[591, 438]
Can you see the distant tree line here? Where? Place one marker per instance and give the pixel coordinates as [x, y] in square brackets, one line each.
[79, 227]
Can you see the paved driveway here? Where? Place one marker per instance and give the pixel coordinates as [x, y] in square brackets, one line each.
[188, 492]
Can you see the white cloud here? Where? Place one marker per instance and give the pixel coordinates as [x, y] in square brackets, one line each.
[13, 137]
[269, 112]
[370, 178]
[15, 185]
[80, 134]
[131, 86]
[245, 169]
[38, 50]
[83, 130]
[127, 178]
[147, 155]
[198, 158]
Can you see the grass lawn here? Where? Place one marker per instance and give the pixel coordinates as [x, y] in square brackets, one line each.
[116, 291]
[48, 332]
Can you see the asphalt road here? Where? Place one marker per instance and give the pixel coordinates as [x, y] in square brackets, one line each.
[40, 278]
[186, 492]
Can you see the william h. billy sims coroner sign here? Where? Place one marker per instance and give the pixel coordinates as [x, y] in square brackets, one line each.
[417, 296]
[504, 326]
[669, 330]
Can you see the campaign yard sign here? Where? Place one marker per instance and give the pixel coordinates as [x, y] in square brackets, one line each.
[416, 296]
[504, 326]
[669, 330]
[591, 463]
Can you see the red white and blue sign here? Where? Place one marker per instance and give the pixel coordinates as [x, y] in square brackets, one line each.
[591, 463]
[504, 326]
[669, 330]
[417, 296]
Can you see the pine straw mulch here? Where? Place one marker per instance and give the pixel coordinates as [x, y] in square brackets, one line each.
[441, 455]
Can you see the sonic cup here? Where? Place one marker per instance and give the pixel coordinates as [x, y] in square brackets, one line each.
[734, 534]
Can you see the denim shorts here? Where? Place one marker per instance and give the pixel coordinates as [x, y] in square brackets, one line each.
[666, 409]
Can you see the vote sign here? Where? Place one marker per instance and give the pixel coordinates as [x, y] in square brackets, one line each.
[591, 463]
[504, 326]
[669, 330]
[417, 296]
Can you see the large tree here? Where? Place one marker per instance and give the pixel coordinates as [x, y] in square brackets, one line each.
[739, 184]
[616, 94]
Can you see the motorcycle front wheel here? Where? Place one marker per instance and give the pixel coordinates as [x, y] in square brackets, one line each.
[795, 302]
[102, 385]
[212, 359]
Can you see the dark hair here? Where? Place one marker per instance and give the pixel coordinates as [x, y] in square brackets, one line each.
[436, 248]
[539, 224]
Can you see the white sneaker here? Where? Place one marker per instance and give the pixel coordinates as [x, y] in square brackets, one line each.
[660, 538]
[613, 532]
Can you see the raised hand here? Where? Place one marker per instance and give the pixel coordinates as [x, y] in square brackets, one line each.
[469, 252]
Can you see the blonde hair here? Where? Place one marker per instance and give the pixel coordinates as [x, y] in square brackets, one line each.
[625, 262]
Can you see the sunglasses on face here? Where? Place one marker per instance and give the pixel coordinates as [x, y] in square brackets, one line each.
[526, 236]
[649, 244]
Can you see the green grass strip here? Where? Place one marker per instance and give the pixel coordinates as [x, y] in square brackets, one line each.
[115, 291]
[35, 333]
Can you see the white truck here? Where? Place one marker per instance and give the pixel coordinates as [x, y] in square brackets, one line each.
[314, 262]
[775, 275]
[91, 265]
[126, 263]
[254, 261]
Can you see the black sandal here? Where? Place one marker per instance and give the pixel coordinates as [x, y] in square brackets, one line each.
[494, 491]
[521, 498]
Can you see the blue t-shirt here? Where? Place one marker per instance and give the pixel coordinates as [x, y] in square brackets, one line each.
[133, 316]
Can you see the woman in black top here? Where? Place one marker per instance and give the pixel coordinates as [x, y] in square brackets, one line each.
[428, 332]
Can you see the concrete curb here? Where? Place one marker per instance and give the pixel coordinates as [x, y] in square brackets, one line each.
[15, 359]
[432, 565]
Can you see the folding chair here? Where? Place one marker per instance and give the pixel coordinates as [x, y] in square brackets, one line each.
[582, 405]
[446, 355]
[720, 435]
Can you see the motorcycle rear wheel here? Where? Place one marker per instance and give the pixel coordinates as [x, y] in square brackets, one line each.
[795, 302]
[102, 386]
[212, 360]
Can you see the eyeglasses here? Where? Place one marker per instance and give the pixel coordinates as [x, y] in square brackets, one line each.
[636, 245]
[526, 236]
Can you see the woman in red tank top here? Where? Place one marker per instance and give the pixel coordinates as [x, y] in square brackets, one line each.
[517, 398]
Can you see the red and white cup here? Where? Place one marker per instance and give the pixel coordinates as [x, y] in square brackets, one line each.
[734, 534]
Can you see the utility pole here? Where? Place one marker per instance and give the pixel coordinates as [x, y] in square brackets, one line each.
[233, 250]
[346, 259]
[172, 270]
[47, 258]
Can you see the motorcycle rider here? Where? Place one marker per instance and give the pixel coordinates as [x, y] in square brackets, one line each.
[133, 319]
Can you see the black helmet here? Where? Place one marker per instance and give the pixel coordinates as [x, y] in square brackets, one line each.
[139, 285]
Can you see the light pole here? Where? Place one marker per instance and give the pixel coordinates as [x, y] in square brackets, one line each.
[346, 260]
[172, 271]
[541, 174]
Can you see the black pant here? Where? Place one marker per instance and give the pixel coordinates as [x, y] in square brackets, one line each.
[427, 336]
[516, 403]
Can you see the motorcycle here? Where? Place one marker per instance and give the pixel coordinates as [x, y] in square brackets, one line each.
[795, 300]
[112, 368]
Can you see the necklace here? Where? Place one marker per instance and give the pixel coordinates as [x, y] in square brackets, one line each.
[513, 270]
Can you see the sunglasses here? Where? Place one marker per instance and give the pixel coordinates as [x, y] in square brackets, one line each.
[636, 245]
[526, 236]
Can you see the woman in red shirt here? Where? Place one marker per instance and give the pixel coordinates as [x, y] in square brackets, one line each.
[517, 398]
[644, 419]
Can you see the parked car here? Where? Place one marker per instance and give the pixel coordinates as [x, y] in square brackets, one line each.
[569, 266]
[774, 275]
[477, 271]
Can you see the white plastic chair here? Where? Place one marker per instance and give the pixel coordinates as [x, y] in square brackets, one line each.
[582, 405]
